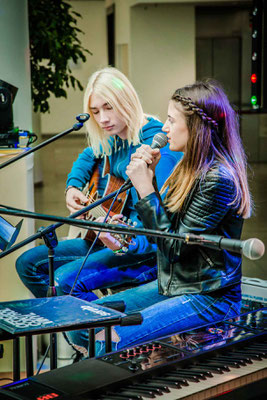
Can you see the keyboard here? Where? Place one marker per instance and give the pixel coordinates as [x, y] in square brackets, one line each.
[214, 360]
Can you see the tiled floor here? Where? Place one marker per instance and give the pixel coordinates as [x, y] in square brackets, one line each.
[57, 159]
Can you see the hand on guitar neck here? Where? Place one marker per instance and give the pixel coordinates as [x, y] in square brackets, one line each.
[112, 241]
[76, 200]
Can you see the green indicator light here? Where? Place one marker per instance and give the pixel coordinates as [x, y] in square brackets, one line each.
[253, 100]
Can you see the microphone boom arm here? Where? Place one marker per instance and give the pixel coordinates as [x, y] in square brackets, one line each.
[81, 118]
[97, 226]
[105, 227]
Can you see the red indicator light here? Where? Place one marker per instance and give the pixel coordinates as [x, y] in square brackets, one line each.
[47, 396]
[253, 78]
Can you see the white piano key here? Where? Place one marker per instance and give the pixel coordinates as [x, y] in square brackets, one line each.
[219, 383]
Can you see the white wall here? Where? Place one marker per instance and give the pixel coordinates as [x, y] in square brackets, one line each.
[14, 52]
[145, 2]
[231, 22]
[93, 24]
[162, 52]
[15, 69]
[16, 180]
[155, 47]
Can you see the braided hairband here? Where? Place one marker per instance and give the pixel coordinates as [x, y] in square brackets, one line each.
[192, 106]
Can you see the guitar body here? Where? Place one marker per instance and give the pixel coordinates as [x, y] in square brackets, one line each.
[91, 192]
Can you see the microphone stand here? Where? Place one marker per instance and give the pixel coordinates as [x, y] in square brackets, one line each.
[60, 220]
[49, 236]
[187, 238]
[81, 118]
[97, 226]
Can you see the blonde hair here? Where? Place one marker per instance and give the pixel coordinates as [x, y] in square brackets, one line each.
[113, 86]
[213, 136]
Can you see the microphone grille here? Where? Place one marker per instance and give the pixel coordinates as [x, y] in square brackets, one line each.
[253, 249]
[159, 140]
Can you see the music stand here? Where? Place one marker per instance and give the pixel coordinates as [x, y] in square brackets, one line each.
[48, 315]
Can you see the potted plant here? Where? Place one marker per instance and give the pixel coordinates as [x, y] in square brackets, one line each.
[53, 43]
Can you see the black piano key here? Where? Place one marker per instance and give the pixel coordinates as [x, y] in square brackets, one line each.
[141, 392]
[198, 374]
[262, 352]
[110, 398]
[115, 397]
[261, 345]
[190, 378]
[220, 364]
[206, 373]
[172, 383]
[228, 360]
[126, 395]
[239, 356]
[155, 390]
[213, 369]
[252, 355]
[182, 381]
[230, 363]
[160, 386]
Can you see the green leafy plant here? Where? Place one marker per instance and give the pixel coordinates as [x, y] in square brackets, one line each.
[54, 43]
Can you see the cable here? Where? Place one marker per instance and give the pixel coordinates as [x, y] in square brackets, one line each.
[43, 360]
[7, 379]
[95, 240]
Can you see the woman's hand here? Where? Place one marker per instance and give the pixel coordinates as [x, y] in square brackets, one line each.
[75, 201]
[141, 169]
[149, 155]
[106, 237]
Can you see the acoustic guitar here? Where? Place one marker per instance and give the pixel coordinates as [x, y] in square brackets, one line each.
[91, 192]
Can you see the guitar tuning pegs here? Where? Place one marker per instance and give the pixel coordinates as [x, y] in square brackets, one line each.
[134, 223]
[124, 219]
[129, 221]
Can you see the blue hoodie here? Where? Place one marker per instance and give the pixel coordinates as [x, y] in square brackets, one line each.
[82, 170]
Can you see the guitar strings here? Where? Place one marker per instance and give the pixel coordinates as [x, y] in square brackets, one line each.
[97, 211]
[100, 212]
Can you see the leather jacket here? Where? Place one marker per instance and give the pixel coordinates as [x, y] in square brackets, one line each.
[185, 268]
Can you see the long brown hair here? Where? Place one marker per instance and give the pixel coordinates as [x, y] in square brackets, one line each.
[213, 136]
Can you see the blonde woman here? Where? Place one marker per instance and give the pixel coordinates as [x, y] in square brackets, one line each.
[207, 193]
[116, 128]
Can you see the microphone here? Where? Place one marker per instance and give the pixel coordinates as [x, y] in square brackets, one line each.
[251, 248]
[159, 140]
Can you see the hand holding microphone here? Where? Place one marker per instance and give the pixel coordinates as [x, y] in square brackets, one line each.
[143, 163]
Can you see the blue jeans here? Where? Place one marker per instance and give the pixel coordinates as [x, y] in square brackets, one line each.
[103, 269]
[162, 315]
